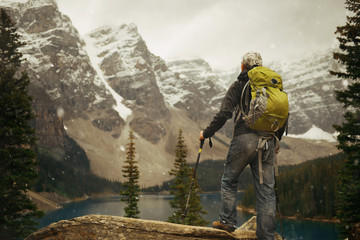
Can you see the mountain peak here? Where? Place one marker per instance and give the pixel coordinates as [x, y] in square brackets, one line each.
[29, 3]
[115, 37]
[114, 30]
[185, 65]
[133, 27]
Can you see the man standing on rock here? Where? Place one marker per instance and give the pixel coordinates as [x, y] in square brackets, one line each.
[244, 150]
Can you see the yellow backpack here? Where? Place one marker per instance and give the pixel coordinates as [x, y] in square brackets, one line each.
[269, 106]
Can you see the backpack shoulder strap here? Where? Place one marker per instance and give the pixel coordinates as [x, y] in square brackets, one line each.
[240, 108]
[246, 86]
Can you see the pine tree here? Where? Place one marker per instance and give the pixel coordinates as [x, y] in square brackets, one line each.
[180, 188]
[17, 138]
[131, 185]
[349, 132]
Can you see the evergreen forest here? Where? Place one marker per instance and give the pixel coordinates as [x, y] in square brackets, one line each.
[59, 176]
[209, 175]
[306, 190]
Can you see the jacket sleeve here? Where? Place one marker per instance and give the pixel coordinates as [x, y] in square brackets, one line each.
[282, 130]
[228, 105]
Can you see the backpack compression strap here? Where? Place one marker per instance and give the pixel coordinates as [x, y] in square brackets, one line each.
[262, 143]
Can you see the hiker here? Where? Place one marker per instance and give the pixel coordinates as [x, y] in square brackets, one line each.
[243, 151]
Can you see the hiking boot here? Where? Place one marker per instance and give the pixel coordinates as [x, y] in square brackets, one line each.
[219, 225]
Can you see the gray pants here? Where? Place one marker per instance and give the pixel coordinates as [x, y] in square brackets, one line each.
[242, 152]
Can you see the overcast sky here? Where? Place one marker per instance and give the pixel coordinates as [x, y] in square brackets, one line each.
[219, 31]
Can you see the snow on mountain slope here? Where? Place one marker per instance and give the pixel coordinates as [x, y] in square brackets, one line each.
[67, 90]
[154, 93]
[128, 67]
[195, 87]
[27, 3]
[315, 133]
[124, 112]
[117, 41]
[310, 89]
[56, 57]
[307, 81]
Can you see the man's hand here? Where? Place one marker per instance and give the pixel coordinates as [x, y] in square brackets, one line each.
[201, 136]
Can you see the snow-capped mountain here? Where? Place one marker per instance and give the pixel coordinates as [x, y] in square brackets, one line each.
[310, 88]
[125, 63]
[95, 88]
[195, 88]
[58, 62]
[63, 82]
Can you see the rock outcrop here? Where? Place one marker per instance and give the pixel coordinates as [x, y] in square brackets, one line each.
[120, 228]
[355, 232]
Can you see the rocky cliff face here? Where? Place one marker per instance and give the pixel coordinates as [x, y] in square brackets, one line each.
[146, 86]
[95, 88]
[57, 61]
[195, 89]
[310, 88]
[63, 82]
[130, 69]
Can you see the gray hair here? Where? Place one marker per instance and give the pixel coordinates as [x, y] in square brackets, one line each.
[252, 58]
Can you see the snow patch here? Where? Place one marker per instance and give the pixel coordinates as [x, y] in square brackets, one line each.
[60, 112]
[11, 2]
[123, 111]
[326, 88]
[345, 83]
[120, 40]
[98, 98]
[53, 93]
[316, 133]
[28, 3]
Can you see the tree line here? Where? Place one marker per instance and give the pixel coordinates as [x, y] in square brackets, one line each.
[60, 176]
[208, 177]
[191, 214]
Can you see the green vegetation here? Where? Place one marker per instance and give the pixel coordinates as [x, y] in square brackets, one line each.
[349, 131]
[307, 190]
[211, 171]
[208, 177]
[180, 188]
[17, 138]
[131, 174]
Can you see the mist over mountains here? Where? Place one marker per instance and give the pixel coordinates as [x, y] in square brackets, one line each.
[95, 88]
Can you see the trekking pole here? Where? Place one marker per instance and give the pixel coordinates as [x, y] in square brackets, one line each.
[278, 207]
[193, 180]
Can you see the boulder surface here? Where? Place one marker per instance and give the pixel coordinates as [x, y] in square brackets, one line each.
[121, 228]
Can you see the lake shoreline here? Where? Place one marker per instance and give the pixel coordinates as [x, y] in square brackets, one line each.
[319, 219]
[155, 206]
[60, 201]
